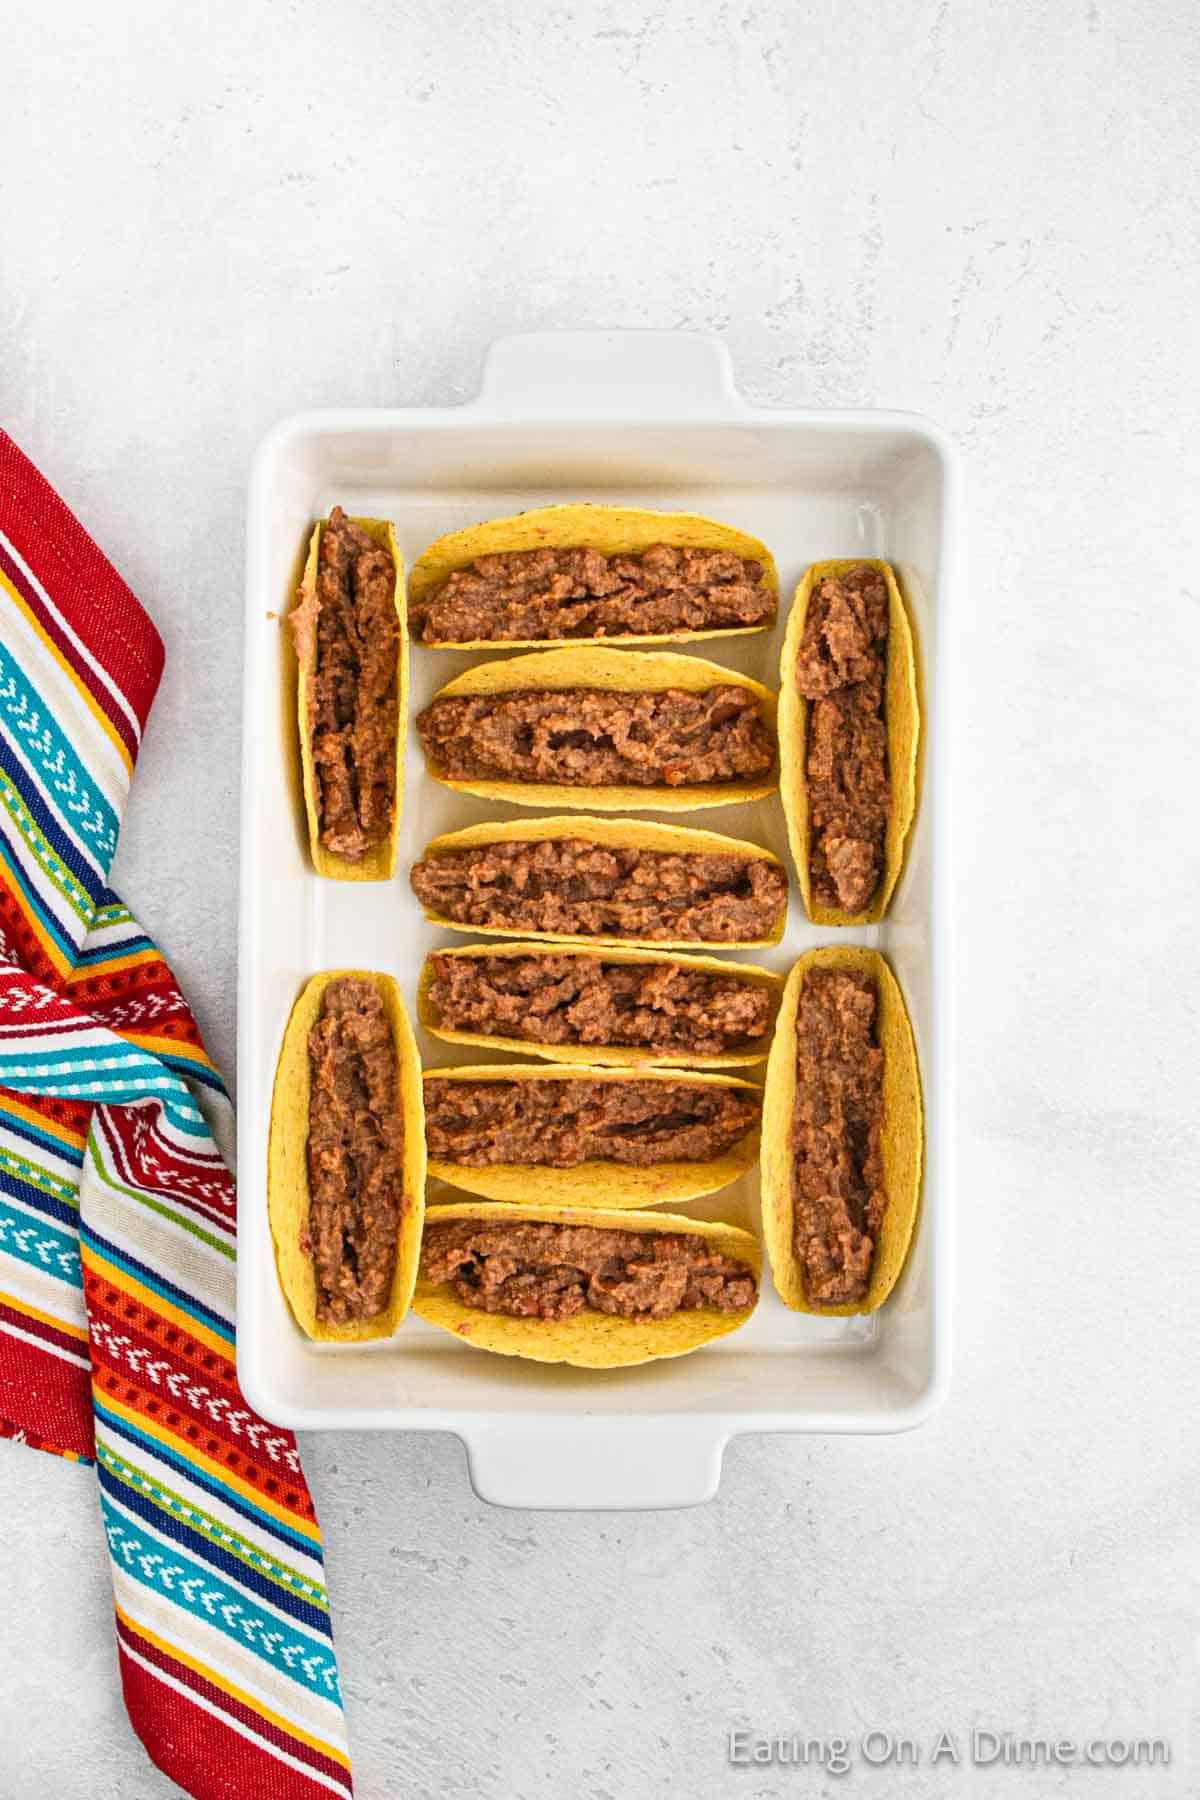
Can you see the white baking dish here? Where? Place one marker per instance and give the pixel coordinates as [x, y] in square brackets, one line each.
[653, 419]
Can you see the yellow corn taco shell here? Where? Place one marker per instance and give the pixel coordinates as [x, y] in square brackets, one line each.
[613, 672]
[591, 1340]
[902, 714]
[620, 1056]
[380, 861]
[629, 834]
[287, 1163]
[903, 1133]
[613, 530]
[592, 1184]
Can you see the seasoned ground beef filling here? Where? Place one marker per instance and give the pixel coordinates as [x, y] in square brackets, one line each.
[559, 1124]
[581, 1001]
[353, 706]
[522, 596]
[355, 1154]
[544, 1270]
[838, 1193]
[576, 889]
[841, 670]
[585, 737]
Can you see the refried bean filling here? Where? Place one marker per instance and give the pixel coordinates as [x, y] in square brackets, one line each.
[841, 671]
[545, 1270]
[577, 889]
[838, 1194]
[579, 737]
[580, 1000]
[355, 1154]
[559, 1124]
[522, 596]
[353, 692]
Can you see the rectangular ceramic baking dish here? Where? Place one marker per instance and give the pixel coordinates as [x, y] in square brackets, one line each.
[650, 419]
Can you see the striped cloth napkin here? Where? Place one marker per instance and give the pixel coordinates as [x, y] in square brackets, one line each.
[117, 1214]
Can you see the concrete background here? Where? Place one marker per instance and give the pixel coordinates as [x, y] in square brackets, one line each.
[988, 212]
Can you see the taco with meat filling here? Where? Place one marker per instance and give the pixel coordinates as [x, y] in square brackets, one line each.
[593, 880]
[620, 1008]
[351, 641]
[598, 1289]
[346, 1158]
[843, 1135]
[589, 1136]
[613, 730]
[849, 738]
[617, 573]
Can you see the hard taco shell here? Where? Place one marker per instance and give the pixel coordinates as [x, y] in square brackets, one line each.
[380, 861]
[591, 1340]
[902, 1137]
[614, 672]
[628, 834]
[591, 1184]
[287, 1163]
[902, 715]
[613, 530]
[620, 1056]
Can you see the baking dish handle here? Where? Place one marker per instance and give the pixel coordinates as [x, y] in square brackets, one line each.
[608, 375]
[572, 1464]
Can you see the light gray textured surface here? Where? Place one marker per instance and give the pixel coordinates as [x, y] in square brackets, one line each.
[986, 212]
